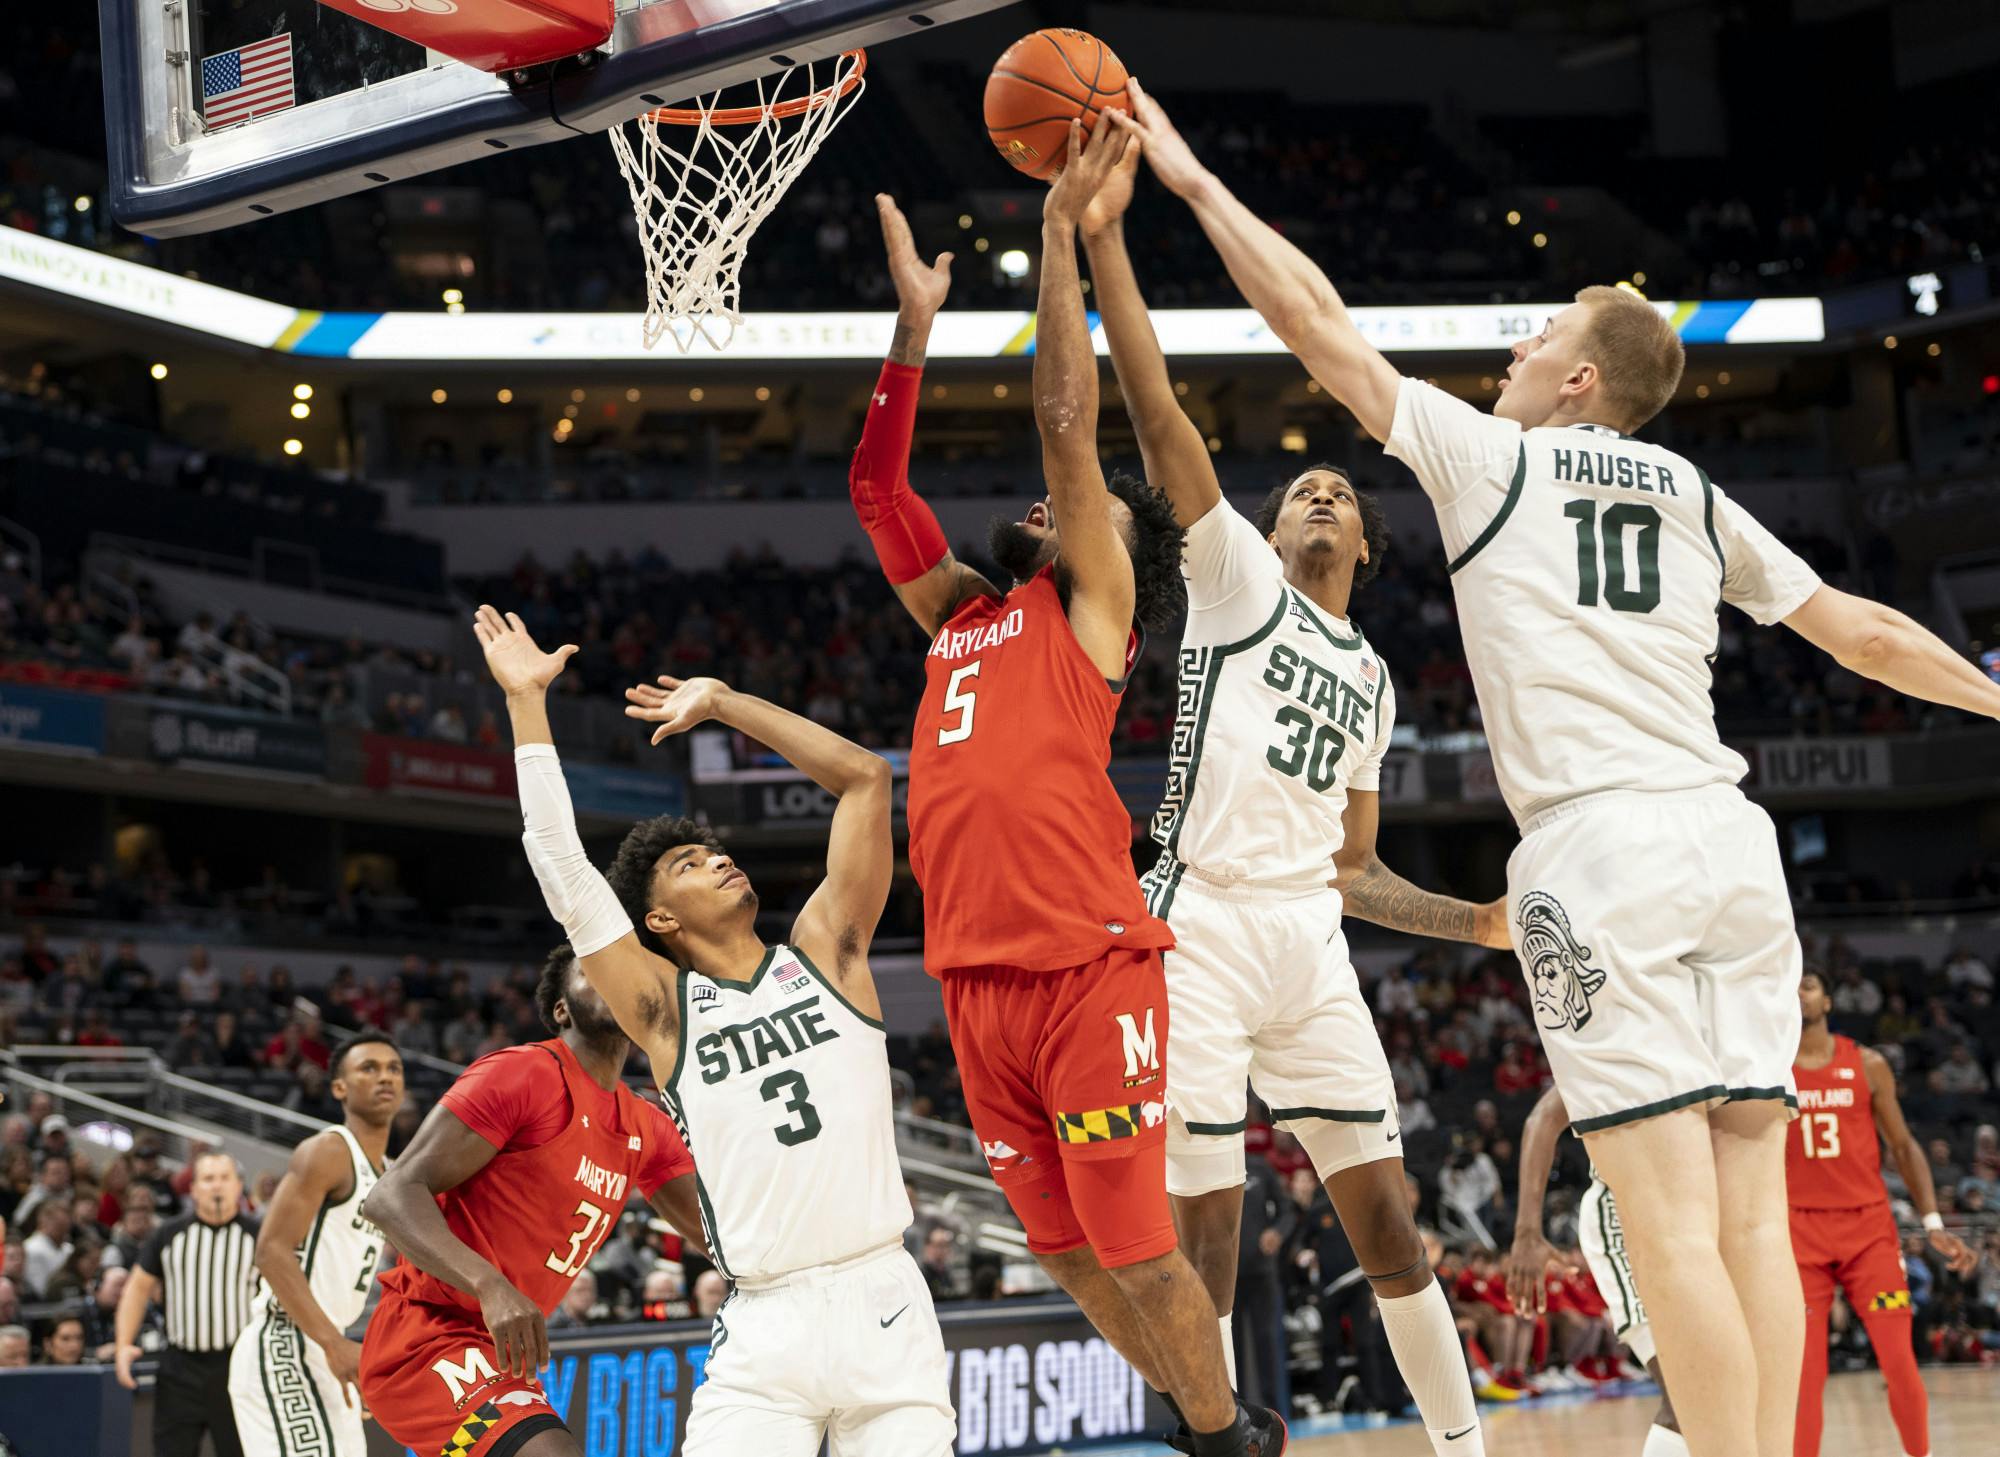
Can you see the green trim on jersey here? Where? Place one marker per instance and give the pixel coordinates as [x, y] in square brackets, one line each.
[1211, 675]
[311, 1245]
[1594, 428]
[1755, 1095]
[1709, 1094]
[1219, 1130]
[1626, 1295]
[827, 982]
[1160, 887]
[677, 1110]
[1499, 517]
[1345, 644]
[770, 954]
[1332, 1115]
[1708, 519]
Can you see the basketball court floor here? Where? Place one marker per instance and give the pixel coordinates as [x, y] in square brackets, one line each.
[1965, 1416]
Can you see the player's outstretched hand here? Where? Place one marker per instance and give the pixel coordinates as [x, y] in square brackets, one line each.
[1526, 1269]
[1108, 207]
[676, 706]
[520, 1335]
[1959, 1257]
[1173, 161]
[1489, 925]
[343, 1359]
[517, 665]
[1084, 173]
[920, 286]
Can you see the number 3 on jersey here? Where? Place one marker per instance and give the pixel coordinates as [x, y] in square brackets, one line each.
[959, 699]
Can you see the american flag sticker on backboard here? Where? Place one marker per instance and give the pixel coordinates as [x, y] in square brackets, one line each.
[252, 80]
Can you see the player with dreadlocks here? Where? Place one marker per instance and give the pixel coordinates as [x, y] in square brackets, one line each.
[1033, 918]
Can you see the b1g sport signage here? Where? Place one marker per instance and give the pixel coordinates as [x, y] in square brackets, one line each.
[1025, 1377]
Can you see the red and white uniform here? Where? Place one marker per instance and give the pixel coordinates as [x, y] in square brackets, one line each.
[1034, 921]
[570, 1154]
[1844, 1233]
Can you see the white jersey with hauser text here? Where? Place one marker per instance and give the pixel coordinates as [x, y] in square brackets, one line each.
[339, 1253]
[1588, 569]
[782, 1097]
[1282, 710]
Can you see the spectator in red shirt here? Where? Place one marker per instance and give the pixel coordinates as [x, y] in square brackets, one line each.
[97, 1033]
[1516, 1072]
[298, 1041]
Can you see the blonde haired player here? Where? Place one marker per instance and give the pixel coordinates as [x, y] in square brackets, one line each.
[1647, 896]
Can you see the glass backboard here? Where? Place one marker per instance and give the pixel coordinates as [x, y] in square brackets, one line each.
[220, 112]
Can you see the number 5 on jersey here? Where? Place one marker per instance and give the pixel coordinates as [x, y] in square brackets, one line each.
[959, 699]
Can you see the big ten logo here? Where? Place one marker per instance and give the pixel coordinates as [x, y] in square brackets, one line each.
[1010, 1396]
[636, 1401]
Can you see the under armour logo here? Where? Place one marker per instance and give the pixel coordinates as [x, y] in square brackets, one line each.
[882, 399]
[586, 1120]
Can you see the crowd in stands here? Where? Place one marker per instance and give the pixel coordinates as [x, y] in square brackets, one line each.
[1407, 216]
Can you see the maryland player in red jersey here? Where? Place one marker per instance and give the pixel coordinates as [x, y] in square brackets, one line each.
[500, 1200]
[1033, 917]
[1842, 1229]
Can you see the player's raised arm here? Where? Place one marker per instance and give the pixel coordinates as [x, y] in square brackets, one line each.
[904, 531]
[637, 985]
[839, 920]
[1102, 589]
[404, 1205]
[1176, 456]
[1878, 642]
[1912, 1163]
[1295, 297]
[319, 1167]
[1528, 1263]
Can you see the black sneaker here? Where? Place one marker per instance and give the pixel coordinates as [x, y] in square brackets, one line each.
[1266, 1431]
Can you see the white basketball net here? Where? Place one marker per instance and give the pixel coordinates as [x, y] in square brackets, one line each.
[701, 190]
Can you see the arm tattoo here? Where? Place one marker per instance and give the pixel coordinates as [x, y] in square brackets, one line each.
[907, 345]
[1380, 895]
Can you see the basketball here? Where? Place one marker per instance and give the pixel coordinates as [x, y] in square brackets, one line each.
[1039, 85]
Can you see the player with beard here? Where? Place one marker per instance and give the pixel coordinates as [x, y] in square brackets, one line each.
[1267, 836]
[1033, 919]
[505, 1193]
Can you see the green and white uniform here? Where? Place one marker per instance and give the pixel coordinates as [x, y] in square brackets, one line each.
[1282, 710]
[286, 1399]
[782, 1096]
[1647, 897]
[1602, 1239]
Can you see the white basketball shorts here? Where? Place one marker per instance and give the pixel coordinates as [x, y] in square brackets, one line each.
[1656, 935]
[1261, 992]
[285, 1397]
[849, 1353]
[1603, 1241]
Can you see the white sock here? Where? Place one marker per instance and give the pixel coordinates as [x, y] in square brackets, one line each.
[1229, 1347]
[1424, 1339]
[1662, 1443]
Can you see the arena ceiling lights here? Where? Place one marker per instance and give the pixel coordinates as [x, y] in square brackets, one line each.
[514, 339]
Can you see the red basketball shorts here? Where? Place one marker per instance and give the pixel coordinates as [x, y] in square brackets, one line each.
[1065, 1076]
[430, 1378]
[1855, 1248]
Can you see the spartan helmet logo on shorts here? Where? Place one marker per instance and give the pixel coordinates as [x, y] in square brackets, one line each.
[1558, 968]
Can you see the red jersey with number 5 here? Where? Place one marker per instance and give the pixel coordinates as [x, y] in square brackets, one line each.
[570, 1152]
[1833, 1158]
[1021, 845]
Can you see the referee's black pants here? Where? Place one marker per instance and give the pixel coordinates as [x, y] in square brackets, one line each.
[192, 1397]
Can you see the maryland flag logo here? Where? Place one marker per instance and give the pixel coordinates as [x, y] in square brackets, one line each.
[470, 1431]
[1108, 1123]
[1890, 1300]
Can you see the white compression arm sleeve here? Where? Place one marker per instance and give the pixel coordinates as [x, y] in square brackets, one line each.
[577, 893]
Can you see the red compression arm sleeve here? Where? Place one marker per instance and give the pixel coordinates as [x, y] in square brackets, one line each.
[908, 540]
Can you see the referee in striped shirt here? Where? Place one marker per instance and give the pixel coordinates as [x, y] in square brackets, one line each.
[203, 1268]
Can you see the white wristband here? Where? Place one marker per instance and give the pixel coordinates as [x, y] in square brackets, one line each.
[1933, 1221]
